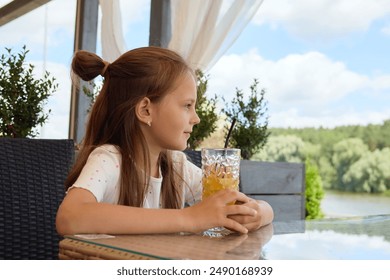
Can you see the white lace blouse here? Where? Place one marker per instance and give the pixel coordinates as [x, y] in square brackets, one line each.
[101, 176]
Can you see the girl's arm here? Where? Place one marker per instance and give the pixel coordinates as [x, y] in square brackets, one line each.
[81, 213]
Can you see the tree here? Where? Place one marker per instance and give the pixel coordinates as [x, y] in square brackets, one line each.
[283, 148]
[345, 153]
[327, 172]
[22, 96]
[250, 133]
[206, 111]
[371, 173]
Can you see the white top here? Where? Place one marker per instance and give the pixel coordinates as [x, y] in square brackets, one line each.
[101, 176]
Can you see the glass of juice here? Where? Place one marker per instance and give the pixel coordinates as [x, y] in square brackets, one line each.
[220, 171]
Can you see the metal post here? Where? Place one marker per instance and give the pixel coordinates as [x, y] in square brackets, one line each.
[85, 39]
[160, 23]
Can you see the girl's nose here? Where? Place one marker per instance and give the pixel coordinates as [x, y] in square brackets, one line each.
[196, 120]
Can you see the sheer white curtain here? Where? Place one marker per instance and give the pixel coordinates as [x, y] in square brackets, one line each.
[113, 43]
[202, 31]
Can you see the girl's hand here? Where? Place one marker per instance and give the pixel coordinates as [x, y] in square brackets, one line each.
[214, 211]
[264, 215]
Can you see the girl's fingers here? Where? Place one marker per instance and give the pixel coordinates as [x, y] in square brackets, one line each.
[228, 196]
[227, 214]
[240, 210]
[235, 226]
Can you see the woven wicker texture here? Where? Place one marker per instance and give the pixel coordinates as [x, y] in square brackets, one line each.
[195, 157]
[32, 174]
[79, 250]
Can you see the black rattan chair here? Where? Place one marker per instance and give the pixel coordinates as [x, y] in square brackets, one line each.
[195, 157]
[32, 175]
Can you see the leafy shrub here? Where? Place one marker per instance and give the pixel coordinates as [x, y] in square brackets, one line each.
[250, 133]
[314, 191]
[206, 112]
[22, 96]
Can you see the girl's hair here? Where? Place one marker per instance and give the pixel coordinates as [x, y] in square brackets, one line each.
[144, 72]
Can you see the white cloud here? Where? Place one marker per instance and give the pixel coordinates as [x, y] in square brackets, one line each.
[301, 89]
[386, 30]
[296, 118]
[297, 78]
[133, 11]
[30, 28]
[321, 19]
[57, 125]
[326, 245]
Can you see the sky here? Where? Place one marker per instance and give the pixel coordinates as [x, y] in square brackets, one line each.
[322, 63]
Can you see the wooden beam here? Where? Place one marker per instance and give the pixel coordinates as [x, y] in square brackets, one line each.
[160, 23]
[18, 8]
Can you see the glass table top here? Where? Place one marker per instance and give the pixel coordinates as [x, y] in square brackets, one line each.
[365, 238]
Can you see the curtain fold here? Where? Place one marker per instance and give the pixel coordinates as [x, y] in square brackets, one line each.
[202, 31]
[113, 43]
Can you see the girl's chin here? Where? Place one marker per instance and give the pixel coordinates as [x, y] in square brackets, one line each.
[179, 147]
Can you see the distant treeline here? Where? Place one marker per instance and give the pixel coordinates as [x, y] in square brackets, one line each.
[349, 158]
[374, 136]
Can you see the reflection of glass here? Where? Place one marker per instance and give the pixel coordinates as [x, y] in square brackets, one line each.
[221, 170]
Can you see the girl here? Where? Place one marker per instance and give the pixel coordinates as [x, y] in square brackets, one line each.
[130, 176]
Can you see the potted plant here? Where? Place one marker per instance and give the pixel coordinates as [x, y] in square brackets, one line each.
[251, 131]
[22, 96]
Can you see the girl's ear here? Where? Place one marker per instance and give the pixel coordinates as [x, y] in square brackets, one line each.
[143, 110]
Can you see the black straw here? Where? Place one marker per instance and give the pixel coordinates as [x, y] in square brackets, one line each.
[230, 132]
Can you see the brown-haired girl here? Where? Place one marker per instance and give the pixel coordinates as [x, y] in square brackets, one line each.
[130, 175]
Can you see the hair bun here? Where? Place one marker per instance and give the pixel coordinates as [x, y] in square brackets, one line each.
[106, 64]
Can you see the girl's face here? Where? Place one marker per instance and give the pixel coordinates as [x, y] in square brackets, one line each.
[174, 116]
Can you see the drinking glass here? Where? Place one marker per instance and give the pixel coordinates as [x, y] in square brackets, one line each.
[220, 171]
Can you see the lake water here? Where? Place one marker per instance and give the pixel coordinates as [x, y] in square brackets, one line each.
[338, 204]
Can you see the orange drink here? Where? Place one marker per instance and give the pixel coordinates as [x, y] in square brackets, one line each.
[220, 169]
[213, 183]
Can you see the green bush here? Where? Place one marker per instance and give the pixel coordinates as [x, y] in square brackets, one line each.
[22, 96]
[205, 109]
[250, 133]
[314, 191]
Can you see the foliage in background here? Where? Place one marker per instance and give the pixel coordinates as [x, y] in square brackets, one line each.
[370, 173]
[22, 96]
[345, 153]
[91, 89]
[250, 133]
[291, 148]
[345, 164]
[283, 149]
[314, 192]
[206, 111]
[375, 136]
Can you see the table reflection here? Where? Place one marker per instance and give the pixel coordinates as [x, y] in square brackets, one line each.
[360, 238]
[365, 238]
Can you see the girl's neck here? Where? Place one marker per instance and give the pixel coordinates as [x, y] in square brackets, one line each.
[154, 166]
[153, 160]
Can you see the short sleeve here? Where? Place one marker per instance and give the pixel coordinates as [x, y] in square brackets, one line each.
[192, 175]
[101, 174]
